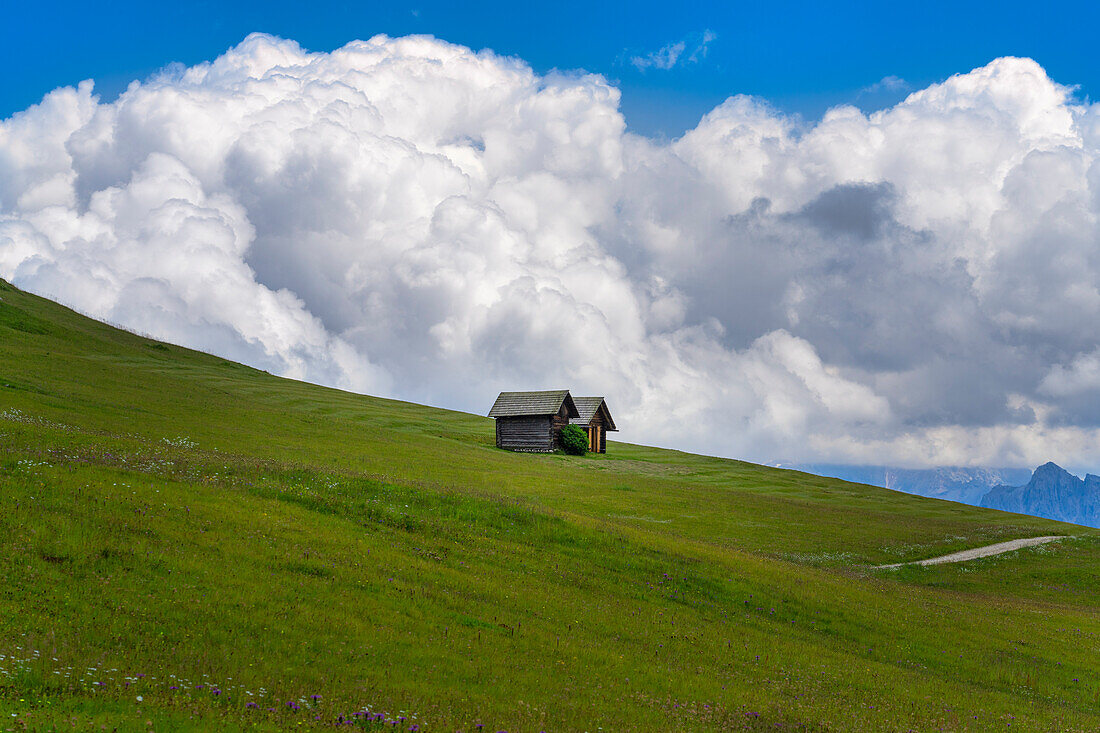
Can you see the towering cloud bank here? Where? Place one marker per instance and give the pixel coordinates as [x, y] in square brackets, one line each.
[410, 218]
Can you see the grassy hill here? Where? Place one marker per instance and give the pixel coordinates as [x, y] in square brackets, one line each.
[188, 543]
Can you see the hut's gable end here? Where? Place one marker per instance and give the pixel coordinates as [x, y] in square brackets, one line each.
[593, 411]
[559, 421]
[596, 420]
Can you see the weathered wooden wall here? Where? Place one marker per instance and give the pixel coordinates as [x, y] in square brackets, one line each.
[529, 432]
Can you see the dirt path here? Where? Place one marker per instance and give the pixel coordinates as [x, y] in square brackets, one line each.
[977, 552]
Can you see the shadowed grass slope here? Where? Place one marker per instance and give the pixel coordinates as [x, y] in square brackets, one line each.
[189, 543]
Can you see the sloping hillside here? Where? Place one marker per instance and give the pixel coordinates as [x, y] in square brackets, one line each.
[190, 543]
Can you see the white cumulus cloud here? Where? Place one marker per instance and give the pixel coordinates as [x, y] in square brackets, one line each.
[407, 217]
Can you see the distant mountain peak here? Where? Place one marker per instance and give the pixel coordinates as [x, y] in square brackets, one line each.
[1052, 492]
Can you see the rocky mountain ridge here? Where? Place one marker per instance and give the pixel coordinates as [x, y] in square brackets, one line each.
[1053, 493]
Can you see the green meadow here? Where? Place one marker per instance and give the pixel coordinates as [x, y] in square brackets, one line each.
[187, 543]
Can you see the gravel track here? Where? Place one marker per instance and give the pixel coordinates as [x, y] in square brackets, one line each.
[977, 552]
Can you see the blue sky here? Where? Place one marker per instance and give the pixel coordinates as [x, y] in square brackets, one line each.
[801, 57]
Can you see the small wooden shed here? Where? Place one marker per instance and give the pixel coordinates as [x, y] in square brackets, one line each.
[532, 421]
[596, 420]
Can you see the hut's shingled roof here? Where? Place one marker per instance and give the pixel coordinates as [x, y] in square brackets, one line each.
[588, 407]
[515, 404]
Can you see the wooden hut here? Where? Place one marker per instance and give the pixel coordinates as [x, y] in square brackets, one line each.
[532, 421]
[596, 420]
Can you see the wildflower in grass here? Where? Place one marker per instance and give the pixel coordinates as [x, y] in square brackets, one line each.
[314, 698]
[252, 705]
[139, 698]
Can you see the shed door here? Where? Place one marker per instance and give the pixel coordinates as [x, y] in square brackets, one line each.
[594, 439]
